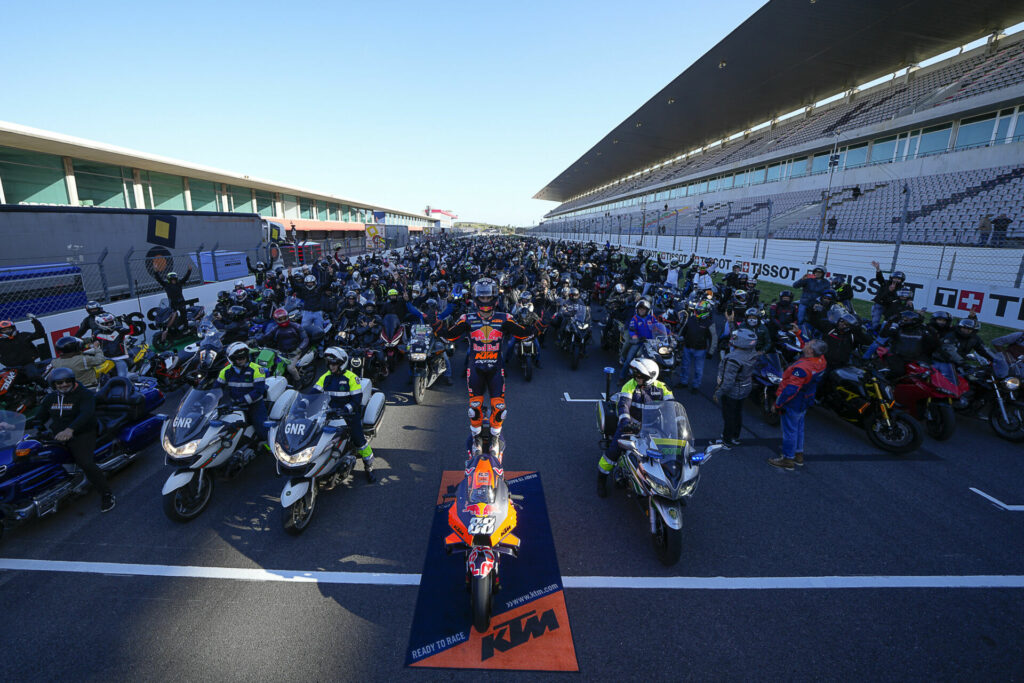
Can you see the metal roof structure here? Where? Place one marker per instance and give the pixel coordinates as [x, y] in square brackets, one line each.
[787, 55]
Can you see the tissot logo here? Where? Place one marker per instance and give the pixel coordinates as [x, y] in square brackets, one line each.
[515, 632]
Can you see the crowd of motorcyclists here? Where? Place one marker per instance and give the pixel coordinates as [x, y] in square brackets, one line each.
[663, 316]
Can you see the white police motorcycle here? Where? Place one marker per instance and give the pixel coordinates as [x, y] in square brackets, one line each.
[203, 441]
[313, 448]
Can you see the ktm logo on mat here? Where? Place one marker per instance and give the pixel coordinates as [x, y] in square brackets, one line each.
[517, 631]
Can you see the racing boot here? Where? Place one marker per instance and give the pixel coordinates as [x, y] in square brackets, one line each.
[366, 453]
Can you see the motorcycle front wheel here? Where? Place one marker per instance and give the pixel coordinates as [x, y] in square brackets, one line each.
[419, 388]
[185, 504]
[528, 368]
[575, 357]
[668, 542]
[902, 435]
[298, 516]
[1011, 429]
[480, 601]
[940, 421]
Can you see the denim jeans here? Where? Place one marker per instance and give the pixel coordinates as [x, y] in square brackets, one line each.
[691, 358]
[792, 422]
[876, 315]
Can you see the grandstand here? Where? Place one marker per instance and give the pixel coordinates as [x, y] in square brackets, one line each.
[918, 154]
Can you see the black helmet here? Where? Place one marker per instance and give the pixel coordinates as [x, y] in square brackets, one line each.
[786, 293]
[909, 319]
[828, 294]
[899, 275]
[69, 345]
[967, 327]
[61, 375]
[850, 319]
[237, 312]
[944, 316]
[740, 296]
[93, 307]
[172, 276]
[223, 295]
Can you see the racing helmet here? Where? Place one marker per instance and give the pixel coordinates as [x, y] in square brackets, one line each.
[58, 375]
[280, 317]
[485, 293]
[67, 346]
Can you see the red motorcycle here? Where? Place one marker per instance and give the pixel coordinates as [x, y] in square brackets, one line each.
[392, 334]
[927, 392]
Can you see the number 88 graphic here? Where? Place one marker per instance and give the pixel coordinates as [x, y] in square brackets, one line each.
[481, 525]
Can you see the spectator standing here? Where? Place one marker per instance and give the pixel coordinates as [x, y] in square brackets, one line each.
[985, 230]
[735, 384]
[795, 395]
[1000, 225]
[832, 223]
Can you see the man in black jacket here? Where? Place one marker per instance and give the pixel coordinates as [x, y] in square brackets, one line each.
[71, 411]
[18, 350]
[175, 297]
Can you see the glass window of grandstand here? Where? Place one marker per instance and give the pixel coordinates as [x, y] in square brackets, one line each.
[321, 211]
[332, 212]
[819, 164]
[1003, 125]
[773, 172]
[798, 167]
[306, 208]
[725, 182]
[241, 199]
[290, 204]
[757, 176]
[856, 155]
[30, 178]
[264, 203]
[883, 150]
[204, 195]
[103, 185]
[163, 191]
[934, 140]
[976, 131]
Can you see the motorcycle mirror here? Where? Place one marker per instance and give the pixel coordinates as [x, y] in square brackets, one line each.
[627, 444]
[216, 423]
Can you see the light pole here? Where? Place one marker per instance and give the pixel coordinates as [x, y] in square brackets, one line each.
[833, 162]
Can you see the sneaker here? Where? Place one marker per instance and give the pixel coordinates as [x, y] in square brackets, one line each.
[724, 444]
[736, 442]
[798, 459]
[781, 462]
[107, 502]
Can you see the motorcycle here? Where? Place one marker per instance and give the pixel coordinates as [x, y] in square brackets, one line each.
[17, 392]
[576, 333]
[160, 316]
[426, 362]
[312, 448]
[275, 364]
[660, 349]
[34, 470]
[992, 398]
[928, 392]
[392, 334]
[525, 348]
[863, 396]
[482, 518]
[767, 375]
[202, 441]
[659, 467]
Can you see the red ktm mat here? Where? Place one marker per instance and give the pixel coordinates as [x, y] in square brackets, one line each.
[529, 625]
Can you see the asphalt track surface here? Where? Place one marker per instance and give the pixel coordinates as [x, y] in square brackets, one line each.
[851, 511]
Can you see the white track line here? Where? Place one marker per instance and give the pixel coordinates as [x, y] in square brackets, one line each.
[999, 503]
[618, 582]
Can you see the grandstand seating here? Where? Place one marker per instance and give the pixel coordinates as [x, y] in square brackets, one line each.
[979, 71]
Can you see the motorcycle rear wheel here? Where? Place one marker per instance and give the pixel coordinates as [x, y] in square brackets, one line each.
[185, 504]
[905, 435]
[1012, 430]
[668, 542]
[940, 421]
[480, 601]
[419, 389]
[298, 515]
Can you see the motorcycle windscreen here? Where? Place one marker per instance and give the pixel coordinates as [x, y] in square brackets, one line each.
[305, 420]
[420, 339]
[392, 327]
[664, 430]
[12, 428]
[194, 414]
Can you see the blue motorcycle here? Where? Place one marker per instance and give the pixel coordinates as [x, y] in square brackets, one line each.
[37, 474]
[768, 371]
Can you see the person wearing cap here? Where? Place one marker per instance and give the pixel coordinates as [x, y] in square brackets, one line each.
[735, 383]
[71, 411]
[794, 396]
[813, 284]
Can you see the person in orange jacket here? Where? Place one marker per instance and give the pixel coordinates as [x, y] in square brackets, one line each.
[795, 395]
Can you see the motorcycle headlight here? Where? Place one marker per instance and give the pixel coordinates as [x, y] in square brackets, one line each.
[1011, 383]
[659, 487]
[183, 451]
[300, 458]
[417, 356]
[584, 326]
[664, 350]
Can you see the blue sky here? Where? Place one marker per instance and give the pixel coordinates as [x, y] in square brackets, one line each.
[467, 106]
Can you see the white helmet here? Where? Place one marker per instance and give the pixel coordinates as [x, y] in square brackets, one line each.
[237, 349]
[337, 354]
[644, 367]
